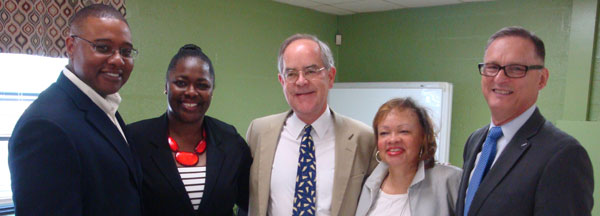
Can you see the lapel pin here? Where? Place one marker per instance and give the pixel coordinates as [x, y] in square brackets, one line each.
[523, 145]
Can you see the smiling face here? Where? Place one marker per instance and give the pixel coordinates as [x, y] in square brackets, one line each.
[105, 74]
[399, 138]
[509, 97]
[306, 97]
[189, 90]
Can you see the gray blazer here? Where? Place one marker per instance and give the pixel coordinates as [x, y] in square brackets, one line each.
[432, 191]
[542, 171]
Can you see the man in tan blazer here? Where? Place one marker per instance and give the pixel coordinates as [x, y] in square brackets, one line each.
[343, 147]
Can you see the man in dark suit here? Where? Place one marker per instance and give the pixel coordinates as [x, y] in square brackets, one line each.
[68, 154]
[523, 165]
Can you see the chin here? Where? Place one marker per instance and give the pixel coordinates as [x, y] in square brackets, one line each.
[186, 118]
[495, 103]
[304, 108]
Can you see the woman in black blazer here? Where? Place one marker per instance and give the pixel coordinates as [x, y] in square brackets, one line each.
[192, 164]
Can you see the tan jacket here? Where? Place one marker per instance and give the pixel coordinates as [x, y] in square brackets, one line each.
[354, 160]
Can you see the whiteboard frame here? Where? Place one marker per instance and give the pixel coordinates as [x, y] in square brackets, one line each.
[443, 150]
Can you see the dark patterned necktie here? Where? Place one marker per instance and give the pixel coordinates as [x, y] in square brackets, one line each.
[306, 184]
[488, 153]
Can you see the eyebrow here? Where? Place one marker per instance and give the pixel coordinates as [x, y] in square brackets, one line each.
[188, 78]
[310, 66]
[110, 41]
[397, 126]
[512, 63]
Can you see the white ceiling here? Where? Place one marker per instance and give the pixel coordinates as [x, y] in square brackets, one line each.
[345, 7]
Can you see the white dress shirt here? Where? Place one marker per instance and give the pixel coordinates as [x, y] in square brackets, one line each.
[508, 132]
[109, 105]
[285, 164]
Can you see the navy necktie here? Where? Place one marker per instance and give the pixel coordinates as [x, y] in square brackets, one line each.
[488, 153]
[305, 193]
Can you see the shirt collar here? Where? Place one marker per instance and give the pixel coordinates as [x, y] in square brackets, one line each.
[381, 171]
[420, 175]
[510, 129]
[109, 104]
[320, 127]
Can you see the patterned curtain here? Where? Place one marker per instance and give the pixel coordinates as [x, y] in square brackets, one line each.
[40, 27]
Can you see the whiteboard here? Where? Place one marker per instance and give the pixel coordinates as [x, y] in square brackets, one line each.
[361, 100]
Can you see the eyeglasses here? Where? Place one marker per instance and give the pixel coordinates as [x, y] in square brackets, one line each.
[107, 49]
[512, 71]
[291, 75]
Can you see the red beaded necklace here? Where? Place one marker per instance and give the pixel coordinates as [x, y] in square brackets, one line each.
[188, 158]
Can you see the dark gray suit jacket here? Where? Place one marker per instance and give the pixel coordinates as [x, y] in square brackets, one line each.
[542, 171]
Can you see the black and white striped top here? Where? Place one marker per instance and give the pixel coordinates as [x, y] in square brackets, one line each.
[193, 180]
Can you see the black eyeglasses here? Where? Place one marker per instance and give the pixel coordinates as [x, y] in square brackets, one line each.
[107, 49]
[512, 71]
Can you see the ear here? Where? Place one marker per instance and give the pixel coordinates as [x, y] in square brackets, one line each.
[543, 79]
[70, 46]
[331, 76]
[280, 77]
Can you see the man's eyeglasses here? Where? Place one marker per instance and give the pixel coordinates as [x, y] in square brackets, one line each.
[291, 75]
[107, 49]
[512, 71]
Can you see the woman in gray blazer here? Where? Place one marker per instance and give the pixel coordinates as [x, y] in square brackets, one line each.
[407, 180]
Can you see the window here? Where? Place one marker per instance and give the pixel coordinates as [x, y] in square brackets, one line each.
[22, 78]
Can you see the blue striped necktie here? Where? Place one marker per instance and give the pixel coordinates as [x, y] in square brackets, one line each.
[488, 153]
[305, 193]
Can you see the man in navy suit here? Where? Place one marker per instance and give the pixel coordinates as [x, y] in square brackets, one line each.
[68, 154]
[524, 165]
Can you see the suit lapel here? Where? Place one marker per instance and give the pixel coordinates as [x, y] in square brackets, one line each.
[268, 144]
[163, 159]
[517, 146]
[477, 141]
[134, 158]
[98, 119]
[104, 126]
[345, 148]
[215, 156]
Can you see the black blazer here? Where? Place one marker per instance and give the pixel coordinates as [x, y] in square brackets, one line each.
[542, 171]
[228, 163]
[66, 157]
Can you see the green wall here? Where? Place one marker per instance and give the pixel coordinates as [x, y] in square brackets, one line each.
[242, 39]
[594, 114]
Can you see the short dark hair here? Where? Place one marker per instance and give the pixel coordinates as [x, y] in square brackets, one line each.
[96, 10]
[517, 31]
[191, 50]
[429, 144]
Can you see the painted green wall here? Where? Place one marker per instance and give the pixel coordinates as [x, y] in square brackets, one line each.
[445, 43]
[242, 39]
[594, 114]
